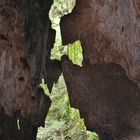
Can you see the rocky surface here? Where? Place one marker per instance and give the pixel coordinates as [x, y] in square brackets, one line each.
[26, 38]
[106, 88]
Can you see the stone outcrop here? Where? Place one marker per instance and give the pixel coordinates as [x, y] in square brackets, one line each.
[26, 38]
[106, 89]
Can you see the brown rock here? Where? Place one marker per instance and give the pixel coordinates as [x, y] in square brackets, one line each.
[106, 88]
[26, 38]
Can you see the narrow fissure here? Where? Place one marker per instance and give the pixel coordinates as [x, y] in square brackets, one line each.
[62, 121]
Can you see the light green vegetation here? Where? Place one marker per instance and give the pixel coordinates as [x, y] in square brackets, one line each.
[58, 9]
[74, 50]
[63, 122]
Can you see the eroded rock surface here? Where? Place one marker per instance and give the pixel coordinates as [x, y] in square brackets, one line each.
[106, 88]
[109, 32]
[26, 38]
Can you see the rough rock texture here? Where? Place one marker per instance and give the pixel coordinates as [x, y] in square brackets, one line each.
[106, 88]
[26, 38]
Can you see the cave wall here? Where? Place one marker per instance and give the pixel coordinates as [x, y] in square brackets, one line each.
[106, 89]
[26, 39]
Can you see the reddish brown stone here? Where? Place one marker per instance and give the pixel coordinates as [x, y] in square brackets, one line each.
[26, 38]
[106, 88]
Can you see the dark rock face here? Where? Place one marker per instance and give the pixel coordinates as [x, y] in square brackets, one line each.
[107, 28]
[26, 38]
[108, 101]
[106, 88]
